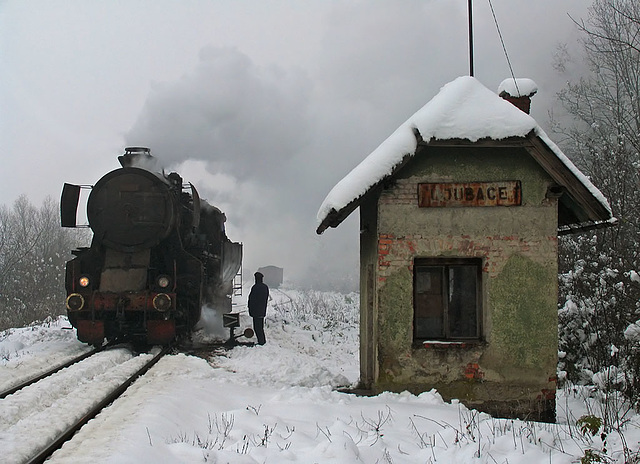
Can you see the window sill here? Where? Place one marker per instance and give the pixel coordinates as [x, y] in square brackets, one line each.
[447, 344]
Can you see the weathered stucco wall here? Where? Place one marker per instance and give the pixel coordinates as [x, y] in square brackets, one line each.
[511, 371]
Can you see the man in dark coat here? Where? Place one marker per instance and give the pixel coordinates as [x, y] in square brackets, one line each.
[258, 306]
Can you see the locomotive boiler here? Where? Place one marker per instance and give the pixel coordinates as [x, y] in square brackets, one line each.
[158, 254]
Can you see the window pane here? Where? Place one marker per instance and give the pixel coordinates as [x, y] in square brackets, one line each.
[429, 302]
[463, 301]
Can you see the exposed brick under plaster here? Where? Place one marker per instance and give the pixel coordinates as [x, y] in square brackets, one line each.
[396, 252]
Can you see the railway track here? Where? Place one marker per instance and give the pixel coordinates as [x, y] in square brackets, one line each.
[72, 429]
[68, 400]
[45, 374]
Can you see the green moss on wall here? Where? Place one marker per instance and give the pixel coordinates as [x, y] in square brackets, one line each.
[524, 315]
[396, 314]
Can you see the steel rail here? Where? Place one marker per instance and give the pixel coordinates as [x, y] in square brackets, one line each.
[45, 374]
[66, 436]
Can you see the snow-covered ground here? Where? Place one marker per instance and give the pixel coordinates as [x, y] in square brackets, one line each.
[276, 403]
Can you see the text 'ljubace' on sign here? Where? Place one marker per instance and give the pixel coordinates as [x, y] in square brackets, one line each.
[502, 193]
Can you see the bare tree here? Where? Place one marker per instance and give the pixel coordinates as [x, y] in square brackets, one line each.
[598, 268]
[33, 252]
[606, 105]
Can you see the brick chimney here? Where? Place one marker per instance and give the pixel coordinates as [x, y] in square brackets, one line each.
[518, 92]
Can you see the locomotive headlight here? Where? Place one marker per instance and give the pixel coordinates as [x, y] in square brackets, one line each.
[163, 281]
[75, 302]
[84, 281]
[162, 302]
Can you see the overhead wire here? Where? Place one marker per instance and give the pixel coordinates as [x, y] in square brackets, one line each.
[504, 47]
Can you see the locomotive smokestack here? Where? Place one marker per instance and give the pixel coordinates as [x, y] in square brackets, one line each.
[139, 157]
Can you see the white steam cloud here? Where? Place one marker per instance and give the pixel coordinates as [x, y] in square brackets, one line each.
[265, 143]
[210, 326]
[241, 119]
[241, 134]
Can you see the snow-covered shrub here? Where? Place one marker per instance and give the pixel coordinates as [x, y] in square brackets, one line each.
[322, 309]
[599, 327]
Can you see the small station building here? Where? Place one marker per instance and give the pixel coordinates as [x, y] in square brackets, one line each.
[460, 213]
[273, 275]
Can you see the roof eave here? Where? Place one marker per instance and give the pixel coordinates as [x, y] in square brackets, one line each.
[335, 217]
[589, 211]
[586, 226]
[593, 211]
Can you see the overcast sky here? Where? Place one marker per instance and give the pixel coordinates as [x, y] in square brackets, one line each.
[263, 105]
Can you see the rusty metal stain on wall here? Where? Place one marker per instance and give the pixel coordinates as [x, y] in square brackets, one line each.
[503, 193]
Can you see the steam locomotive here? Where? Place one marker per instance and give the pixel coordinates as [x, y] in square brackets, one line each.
[158, 255]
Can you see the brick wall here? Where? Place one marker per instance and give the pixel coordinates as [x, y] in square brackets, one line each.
[518, 248]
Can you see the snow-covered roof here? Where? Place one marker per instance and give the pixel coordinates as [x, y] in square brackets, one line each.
[463, 109]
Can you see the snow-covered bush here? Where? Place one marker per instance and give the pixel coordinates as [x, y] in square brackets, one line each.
[322, 309]
[600, 329]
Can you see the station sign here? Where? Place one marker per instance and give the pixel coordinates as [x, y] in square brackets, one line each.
[441, 194]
